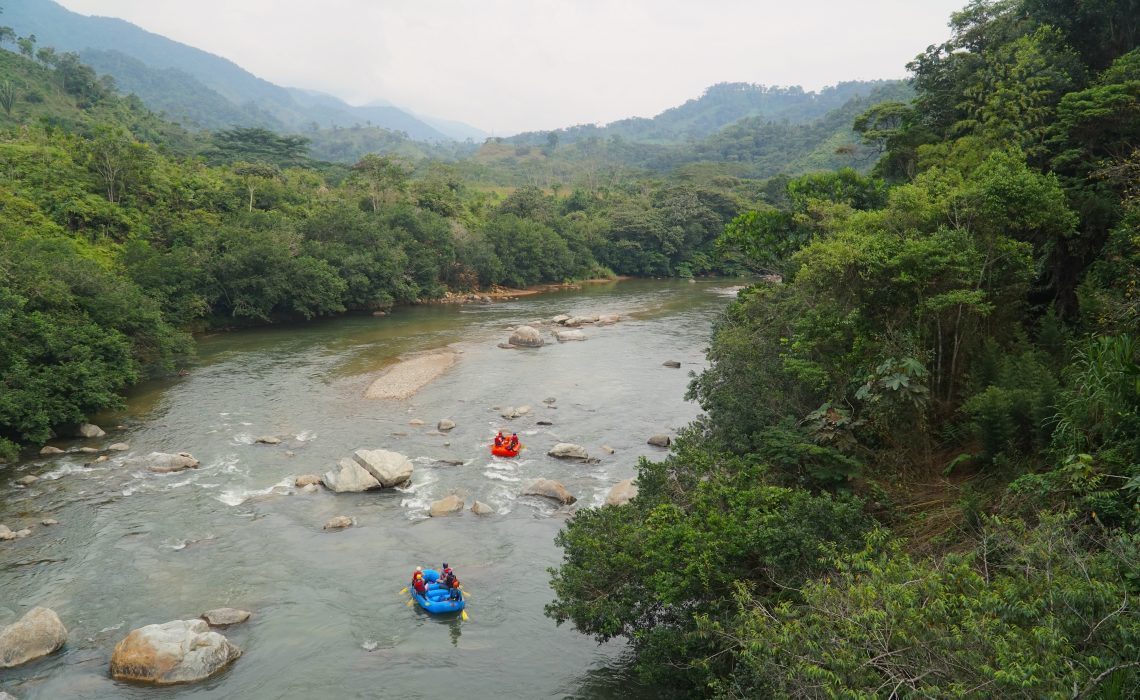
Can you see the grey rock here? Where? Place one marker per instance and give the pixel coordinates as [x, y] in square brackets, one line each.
[349, 477]
[567, 336]
[415, 421]
[445, 425]
[89, 430]
[101, 458]
[379, 313]
[451, 462]
[36, 634]
[338, 523]
[547, 488]
[526, 337]
[509, 412]
[21, 534]
[120, 447]
[27, 480]
[549, 400]
[307, 480]
[163, 463]
[224, 617]
[523, 410]
[507, 346]
[560, 319]
[310, 488]
[387, 467]
[268, 440]
[660, 440]
[568, 450]
[480, 508]
[6, 534]
[49, 450]
[446, 506]
[544, 422]
[180, 651]
[48, 522]
[88, 450]
[671, 363]
[621, 493]
[608, 450]
[608, 319]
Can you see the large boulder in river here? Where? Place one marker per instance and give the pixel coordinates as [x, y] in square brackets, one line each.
[89, 430]
[389, 468]
[180, 651]
[660, 440]
[49, 450]
[36, 634]
[568, 450]
[546, 488]
[349, 477]
[621, 493]
[163, 463]
[446, 506]
[526, 337]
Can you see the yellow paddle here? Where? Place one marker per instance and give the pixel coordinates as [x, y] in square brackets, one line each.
[463, 615]
[403, 590]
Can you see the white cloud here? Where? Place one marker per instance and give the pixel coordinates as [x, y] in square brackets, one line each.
[511, 65]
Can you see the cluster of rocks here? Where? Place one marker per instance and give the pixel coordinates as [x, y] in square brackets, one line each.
[180, 651]
[86, 430]
[566, 329]
[454, 504]
[367, 470]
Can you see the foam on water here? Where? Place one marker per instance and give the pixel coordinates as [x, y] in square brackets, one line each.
[235, 497]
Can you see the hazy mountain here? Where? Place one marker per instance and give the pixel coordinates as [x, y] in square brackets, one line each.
[186, 83]
[721, 105]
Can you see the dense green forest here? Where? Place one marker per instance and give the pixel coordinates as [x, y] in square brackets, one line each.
[122, 233]
[918, 470]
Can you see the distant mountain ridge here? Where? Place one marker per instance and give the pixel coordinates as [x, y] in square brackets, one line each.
[203, 89]
[719, 106]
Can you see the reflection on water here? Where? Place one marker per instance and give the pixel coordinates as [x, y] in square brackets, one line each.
[134, 548]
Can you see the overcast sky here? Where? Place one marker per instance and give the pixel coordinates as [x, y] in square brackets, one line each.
[518, 65]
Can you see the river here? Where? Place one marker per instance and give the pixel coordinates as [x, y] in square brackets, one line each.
[135, 548]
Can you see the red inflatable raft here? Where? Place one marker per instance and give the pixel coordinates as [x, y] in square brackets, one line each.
[503, 452]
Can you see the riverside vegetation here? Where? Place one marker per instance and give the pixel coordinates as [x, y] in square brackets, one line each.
[919, 467]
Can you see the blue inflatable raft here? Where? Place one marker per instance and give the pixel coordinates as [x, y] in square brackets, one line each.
[438, 600]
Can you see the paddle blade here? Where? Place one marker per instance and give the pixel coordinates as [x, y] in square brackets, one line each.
[403, 590]
[463, 615]
[410, 602]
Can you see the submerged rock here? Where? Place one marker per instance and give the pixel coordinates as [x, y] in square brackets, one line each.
[47, 522]
[445, 425]
[307, 480]
[526, 337]
[660, 440]
[224, 617]
[446, 506]
[36, 634]
[568, 450]
[6, 534]
[547, 488]
[387, 467]
[480, 508]
[120, 447]
[567, 336]
[163, 463]
[27, 480]
[49, 450]
[338, 523]
[349, 477]
[671, 363]
[268, 440]
[180, 651]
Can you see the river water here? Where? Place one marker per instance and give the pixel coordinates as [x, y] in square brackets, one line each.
[134, 548]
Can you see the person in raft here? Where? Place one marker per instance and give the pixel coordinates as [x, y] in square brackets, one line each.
[499, 439]
[449, 581]
[513, 442]
[418, 581]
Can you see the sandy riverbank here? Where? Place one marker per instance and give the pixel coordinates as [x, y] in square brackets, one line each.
[405, 378]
